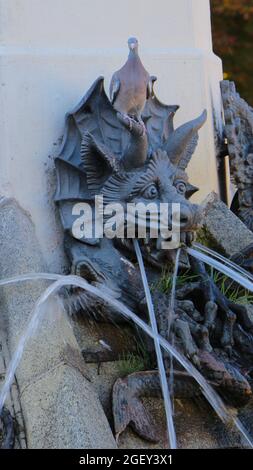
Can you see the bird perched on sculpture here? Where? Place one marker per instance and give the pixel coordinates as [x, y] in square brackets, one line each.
[131, 86]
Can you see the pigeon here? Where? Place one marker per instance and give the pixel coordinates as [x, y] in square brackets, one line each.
[131, 86]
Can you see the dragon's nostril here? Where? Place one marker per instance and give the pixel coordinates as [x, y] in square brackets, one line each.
[183, 219]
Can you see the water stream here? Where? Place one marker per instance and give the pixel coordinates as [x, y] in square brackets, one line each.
[161, 368]
[30, 277]
[171, 336]
[235, 275]
[210, 394]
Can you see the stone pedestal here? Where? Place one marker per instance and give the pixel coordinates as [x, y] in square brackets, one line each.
[59, 405]
[51, 52]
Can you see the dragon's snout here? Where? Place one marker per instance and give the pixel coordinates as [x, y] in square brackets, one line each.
[188, 218]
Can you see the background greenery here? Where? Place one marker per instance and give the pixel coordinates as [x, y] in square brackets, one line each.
[232, 24]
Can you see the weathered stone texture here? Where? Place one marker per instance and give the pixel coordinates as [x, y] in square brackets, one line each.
[224, 229]
[60, 407]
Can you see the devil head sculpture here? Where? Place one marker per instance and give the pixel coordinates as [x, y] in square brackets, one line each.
[105, 153]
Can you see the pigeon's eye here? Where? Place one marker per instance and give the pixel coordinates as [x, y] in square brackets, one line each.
[150, 192]
[180, 187]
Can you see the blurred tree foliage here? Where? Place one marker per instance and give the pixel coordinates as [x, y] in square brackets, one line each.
[232, 24]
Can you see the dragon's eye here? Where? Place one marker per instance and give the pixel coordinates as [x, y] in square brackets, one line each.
[180, 187]
[150, 192]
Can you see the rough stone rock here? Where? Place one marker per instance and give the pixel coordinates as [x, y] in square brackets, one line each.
[66, 412]
[60, 407]
[223, 229]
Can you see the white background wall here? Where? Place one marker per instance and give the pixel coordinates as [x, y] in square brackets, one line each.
[50, 53]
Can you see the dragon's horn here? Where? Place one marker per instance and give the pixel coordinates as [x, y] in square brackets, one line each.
[183, 141]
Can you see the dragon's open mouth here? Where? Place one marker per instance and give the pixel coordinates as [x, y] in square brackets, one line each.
[152, 250]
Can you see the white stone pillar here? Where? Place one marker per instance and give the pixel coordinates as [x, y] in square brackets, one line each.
[50, 53]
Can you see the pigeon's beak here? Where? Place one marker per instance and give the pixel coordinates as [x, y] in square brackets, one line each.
[132, 45]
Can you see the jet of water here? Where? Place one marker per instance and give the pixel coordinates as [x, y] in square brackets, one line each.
[235, 275]
[227, 261]
[171, 315]
[30, 277]
[210, 394]
[161, 368]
